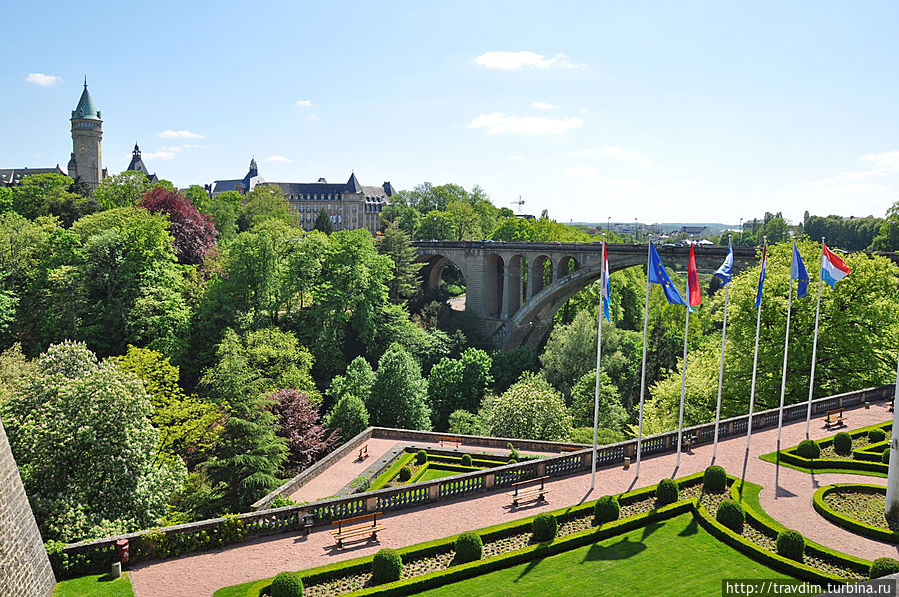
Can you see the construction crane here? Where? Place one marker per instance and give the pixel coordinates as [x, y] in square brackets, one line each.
[519, 203]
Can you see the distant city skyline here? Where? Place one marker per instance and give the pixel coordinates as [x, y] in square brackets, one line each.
[685, 113]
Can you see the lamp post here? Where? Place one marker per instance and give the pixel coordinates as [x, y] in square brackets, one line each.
[608, 219]
[741, 231]
[636, 236]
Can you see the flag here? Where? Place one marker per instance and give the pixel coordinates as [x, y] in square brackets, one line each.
[758, 294]
[606, 292]
[833, 268]
[694, 292]
[799, 273]
[658, 275]
[724, 272]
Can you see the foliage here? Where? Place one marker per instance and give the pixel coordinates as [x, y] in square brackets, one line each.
[876, 435]
[544, 527]
[403, 282]
[323, 222]
[224, 209]
[298, 423]
[612, 415]
[466, 460]
[666, 492]
[791, 544]
[883, 566]
[361, 483]
[842, 443]
[405, 474]
[887, 238]
[193, 232]
[852, 234]
[808, 449]
[359, 379]
[262, 204]
[714, 479]
[421, 457]
[463, 422]
[507, 366]
[122, 190]
[570, 352]
[387, 566]
[530, 409]
[399, 394]
[287, 584]
[455, 384]
[885, 457]
[16, 371]
[348, 417]
[606, 509]
[584, 435]
[468, 548]
[731, 515]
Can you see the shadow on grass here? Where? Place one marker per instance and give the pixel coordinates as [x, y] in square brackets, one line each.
[621, 550]
[107, 578]
[649, 529]
[690, 529]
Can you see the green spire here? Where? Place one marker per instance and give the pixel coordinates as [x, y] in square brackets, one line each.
[85, 108]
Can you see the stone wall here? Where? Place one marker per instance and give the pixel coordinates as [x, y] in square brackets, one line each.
[24, 566]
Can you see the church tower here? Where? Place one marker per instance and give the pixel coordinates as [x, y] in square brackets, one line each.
[87, 131]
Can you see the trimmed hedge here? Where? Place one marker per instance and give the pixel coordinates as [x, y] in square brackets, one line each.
[876, 435]
[544, 527]
[791, 544]
[469, 547]
[666, 492]
[808, 449]
[386, 566]
[842, 443]
[885, 457]
[405, 474]
[852, 524]
[606, 509]
[287, 584]
[714, 479]
[421, 457]
[882, 567]
[731, 515]
[466, 460]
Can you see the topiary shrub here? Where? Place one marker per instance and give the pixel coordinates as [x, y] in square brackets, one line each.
[876, 435]
[469, 547]
[882, 567]
[666, 492]
[714, 479]
[842, 443]
[387, 566]
[512, 461]
[466, 460]
[885, 457]
[421, 457]
[286, 584]
[606, 509]
[513, 453]
[790, 544]
[405, 473]
[731, 515]
[808, 449]
[544, 527]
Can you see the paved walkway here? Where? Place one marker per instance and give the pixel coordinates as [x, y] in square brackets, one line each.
[790, 503]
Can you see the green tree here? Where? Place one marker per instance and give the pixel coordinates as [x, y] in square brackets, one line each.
[399, 394]
[458, 384]
[570, 352]
[396, 245]
[507, 366]
[436, 225]
[611, 413]
[122, 190]
[263, 203]
[323, 222]
[198, 197]
[530, 409]
[358, 381]
[887, 238]
[398, 215]
[37, 192]
[224, 209]
[348, 417]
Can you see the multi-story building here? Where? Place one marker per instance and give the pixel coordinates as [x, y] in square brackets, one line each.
[87, 132]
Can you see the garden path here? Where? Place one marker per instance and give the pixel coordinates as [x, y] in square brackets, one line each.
[202, 574]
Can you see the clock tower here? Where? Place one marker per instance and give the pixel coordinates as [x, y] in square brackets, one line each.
[87, 131]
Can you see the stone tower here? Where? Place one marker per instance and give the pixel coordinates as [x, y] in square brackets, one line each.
[87, 131]
[24, 566]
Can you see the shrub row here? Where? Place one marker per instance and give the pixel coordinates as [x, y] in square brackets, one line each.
[852, 524]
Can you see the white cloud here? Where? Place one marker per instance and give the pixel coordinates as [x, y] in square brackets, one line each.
[620, 154]
[520, 60]
[169, 134]
[582, 153]
[304, 103]
[544, 106]
[498, 122]
[42, 79]
[516, 158]
[278, 158]
[168, 152]
[579, 171]
[887, 160]
[311, 117]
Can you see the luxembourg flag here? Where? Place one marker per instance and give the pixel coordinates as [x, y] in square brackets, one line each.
[833, 268]
[606, 291]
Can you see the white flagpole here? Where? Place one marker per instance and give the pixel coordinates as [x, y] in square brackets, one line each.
[643, 373]
[783, 380]
[892, 497]
[755, 358]
[602, 286]
[683, 380]
[721, 368]
[811, 384]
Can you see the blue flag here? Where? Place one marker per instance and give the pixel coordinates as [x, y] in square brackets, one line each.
[606, 290]
[724, 272]
[799, 273]
[658, 275]
[758, 294]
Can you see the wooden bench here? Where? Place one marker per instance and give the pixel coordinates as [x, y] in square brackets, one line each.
[565, 449]
[450, 441]
[523, 493]
[834, 417]
[363, 452]
[347, 528]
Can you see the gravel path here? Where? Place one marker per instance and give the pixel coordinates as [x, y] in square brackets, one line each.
[787, 497]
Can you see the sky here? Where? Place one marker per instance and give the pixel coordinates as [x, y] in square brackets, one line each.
[659, 111]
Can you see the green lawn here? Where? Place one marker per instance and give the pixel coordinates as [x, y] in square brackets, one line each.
[96, 585]
[433, 472]
[675, 557]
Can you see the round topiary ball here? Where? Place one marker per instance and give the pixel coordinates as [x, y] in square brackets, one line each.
[387, 566]
[666, 492]
[876, 435]
[544, 527]
[714, 479]
[842, 443]
[606, 509]
[421, 457]
[469, 547]
[731, 515]
[287, 584]
[885, 457]
[790, 544]
[808, 449]
[405, 473]
[882, 567]
[466, 460]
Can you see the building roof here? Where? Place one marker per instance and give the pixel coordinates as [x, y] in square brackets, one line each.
[241, 185]
[13, 176]
[323, 187]
[137, 165]
[85, 108]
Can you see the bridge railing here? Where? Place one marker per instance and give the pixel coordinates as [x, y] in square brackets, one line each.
[186, 538]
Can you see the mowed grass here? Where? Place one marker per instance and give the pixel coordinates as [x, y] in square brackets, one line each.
[95, 585]
[676, 557]
[436, 473]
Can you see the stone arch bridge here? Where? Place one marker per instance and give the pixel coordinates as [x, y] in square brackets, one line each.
[515, 288]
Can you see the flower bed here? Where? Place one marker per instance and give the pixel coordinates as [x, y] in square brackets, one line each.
[857, 507]
[864, 458]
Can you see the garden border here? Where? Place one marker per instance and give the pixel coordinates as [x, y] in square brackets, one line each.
[852, 524]
[788, 457]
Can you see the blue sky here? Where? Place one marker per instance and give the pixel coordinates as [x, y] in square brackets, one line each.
[658, 111]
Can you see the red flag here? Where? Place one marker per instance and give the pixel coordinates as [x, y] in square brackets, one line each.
[693, 289]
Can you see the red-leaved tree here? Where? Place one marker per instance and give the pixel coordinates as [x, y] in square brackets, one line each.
[194, 232]
[307, 440]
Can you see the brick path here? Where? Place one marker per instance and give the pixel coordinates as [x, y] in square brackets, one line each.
[203, 574]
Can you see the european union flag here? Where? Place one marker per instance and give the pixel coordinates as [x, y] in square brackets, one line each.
[799, 273]
[658, 275]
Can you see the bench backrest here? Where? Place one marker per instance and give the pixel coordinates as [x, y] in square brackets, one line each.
[530, 481]
[356, 518]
